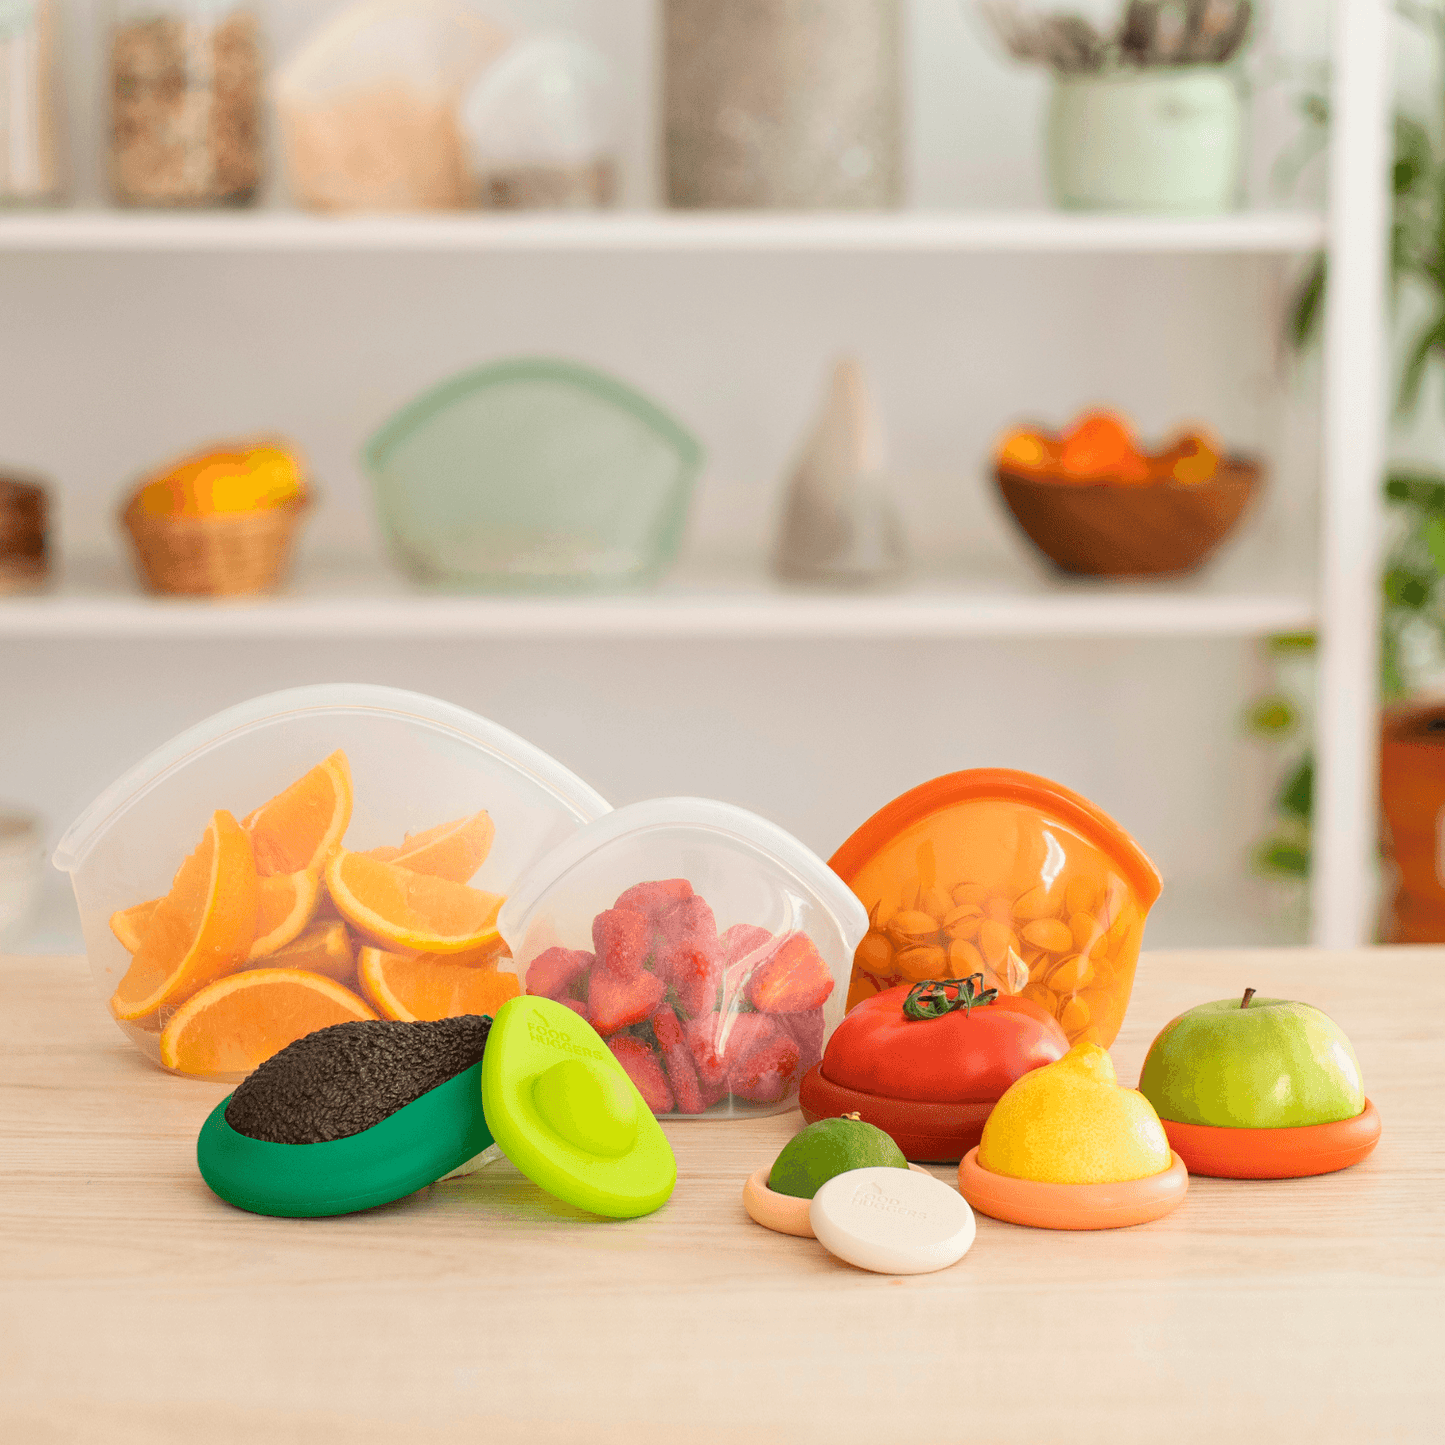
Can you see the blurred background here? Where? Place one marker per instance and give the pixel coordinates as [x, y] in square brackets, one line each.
[886, 326]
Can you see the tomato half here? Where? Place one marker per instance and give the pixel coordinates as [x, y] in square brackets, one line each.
[959, 1057]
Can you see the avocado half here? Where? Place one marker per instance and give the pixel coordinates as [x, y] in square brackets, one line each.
[350, 1117]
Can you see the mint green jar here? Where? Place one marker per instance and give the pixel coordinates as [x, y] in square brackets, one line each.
[1163, 140]
[533, 476]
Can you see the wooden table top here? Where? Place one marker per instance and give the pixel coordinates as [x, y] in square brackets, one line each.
[138, 1307]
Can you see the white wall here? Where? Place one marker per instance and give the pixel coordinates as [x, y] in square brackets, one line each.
[113, 362]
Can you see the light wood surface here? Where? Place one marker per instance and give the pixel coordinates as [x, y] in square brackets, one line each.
[138, 1307]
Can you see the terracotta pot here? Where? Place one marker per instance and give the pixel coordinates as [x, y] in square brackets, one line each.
[1412, 803]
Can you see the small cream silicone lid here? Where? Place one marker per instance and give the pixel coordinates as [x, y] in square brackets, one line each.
[892, 1221]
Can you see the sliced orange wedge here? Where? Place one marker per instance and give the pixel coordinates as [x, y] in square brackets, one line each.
[324, 948]
[238, 1022]
[302, 826]
[453, 851]
[130, 924]
[285, 904]
[431, 986]
[201, 929]
[395, 906]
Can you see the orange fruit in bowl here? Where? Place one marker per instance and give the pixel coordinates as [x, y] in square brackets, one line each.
[285, 904]
[300, 828]
[432, 986]
[129, 924]
[237, 1023]
[452, 850]
[410, 911]
[1025, 450]
[1100, 446]
[324, 947]
[200, 930]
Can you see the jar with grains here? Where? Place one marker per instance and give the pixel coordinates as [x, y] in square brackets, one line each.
[185, 84]
[789, 104]
[31, 164]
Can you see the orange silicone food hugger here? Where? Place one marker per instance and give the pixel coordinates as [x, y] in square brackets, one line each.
[1006, 874]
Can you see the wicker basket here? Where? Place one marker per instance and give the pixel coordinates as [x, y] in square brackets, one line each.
[227, 554]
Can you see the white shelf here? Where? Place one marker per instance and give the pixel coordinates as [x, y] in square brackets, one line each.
[1244, 232]
[342, 599]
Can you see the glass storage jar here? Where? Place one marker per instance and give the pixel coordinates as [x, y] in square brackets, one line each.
[31, 164]
[185, 99]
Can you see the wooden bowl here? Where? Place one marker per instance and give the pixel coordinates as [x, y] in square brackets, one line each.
[1154, 529]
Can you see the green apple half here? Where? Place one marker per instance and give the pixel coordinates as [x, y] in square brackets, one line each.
[1273, 1064]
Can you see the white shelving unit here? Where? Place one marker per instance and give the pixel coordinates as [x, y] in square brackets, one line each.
[1333, 590]
[1259, 233]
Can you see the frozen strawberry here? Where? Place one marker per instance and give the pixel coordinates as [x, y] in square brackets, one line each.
[652, 900]
[742, 939]
[644, 1071]
[577, 1007]
[768, 1071]
[806, 1030]
[553, 973]
[704, 1042]
[677, 1058]
[794, 979]
[623, 942]
[615, 1002]
[690, 956]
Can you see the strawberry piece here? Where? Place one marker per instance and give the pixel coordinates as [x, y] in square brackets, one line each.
[741, 940]
[793, 980]
[677, 1057]
[690, 957]
[623, 942]
[652, 900]
[768, 1070]
[578, 1007]
[615, 1003]
[806, 1030]
[553, 973]
[644, 1071]
[704, 1044]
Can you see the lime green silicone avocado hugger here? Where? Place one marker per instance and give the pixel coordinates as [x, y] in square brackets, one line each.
[565, 1113]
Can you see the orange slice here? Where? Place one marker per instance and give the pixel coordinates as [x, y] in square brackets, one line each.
[301, 827]
[285, 904]
[431, 986]
[454, 850]
[324, 948]
[201, 929]
[130, 924]
[414, 911]
[239, 1022]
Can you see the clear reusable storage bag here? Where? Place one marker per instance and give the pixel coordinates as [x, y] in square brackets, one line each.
[368, 106]
[1008, 875]
[311, 857]
[707, 946]
[533, 475]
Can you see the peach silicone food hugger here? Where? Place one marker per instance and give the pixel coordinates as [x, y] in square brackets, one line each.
[1009, 875]
[319, 856]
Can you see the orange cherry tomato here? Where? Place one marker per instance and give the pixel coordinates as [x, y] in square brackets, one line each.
[1025, 450]
[1100, 447]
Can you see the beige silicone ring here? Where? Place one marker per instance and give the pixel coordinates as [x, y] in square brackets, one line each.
[785, 1213]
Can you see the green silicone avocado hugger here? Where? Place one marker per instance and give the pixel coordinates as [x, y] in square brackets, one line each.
[313, 1133]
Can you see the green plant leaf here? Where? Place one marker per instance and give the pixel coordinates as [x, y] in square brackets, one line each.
[1292, 642]
[1434, 538]
[1430, 339]
[1307, 309]
[1282, 858]
[1272, 716]
[1296, 796]
[1424, 490]
[1392, 671]
[1405, 587]
[1414, 154]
